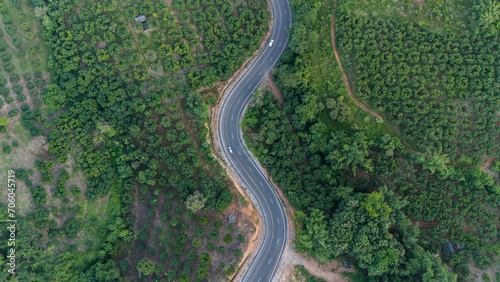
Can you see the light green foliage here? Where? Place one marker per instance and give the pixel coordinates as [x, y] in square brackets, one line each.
[195, 201]
[146, 266]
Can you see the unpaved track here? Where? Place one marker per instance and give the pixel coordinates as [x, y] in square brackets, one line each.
[344, 76]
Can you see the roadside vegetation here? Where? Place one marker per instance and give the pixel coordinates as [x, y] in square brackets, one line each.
[387, 191]
[116, 177]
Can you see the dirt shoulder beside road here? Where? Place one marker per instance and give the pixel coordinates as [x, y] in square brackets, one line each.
[214, 114]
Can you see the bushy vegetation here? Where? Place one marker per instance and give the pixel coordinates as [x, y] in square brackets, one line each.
[123, 104]
[439, 89]
[355, 182]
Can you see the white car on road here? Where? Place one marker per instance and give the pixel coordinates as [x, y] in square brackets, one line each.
[229, 149]
[271, 43]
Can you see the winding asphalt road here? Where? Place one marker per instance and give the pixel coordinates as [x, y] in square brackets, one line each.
[268, 257]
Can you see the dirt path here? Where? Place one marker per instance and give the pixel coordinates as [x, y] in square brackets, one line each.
[276, 91]
[344, 76]
[365, 107]
[487, 163]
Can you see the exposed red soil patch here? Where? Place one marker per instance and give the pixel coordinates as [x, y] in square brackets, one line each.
[276, 91]
[422, 224]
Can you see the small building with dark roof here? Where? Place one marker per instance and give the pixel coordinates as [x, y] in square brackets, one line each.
[142, 19]
[451, 248]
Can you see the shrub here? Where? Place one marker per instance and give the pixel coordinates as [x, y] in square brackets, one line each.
[169, 195]
[3, 46]
[238, 253]
[15, 144]
[218, 224]
[29, 36]
[4, 91]
[171, 275]
[72, 227]
[26, 26]
[141, 245]
[40, 82]
[199, 232]
[34, 93]
[27, 76]
[175, 262]
[30, 85]
[37, 102]
[164, 256]
[214, 235]
[143, 235]
[10, 29]
[192, 255]
[20, 53]
[7, 19]
[462, 270]
[196, 243]
[18, 89]
[15, 78]
[7, 149]
[230, 228]
[17, 41]
[9, 67]
[153, 201]
[241, 238]
[124, 264]
[146, 266]
[210, 246]
[188, 266]
[25, 107]
[13, 112]
[205, 259]
[174, 221]
[222, 250]
[6, 56]
[9, 100]
[36, 131]
[3, 81]
[203, 220]
[228, 239]
[201, 271]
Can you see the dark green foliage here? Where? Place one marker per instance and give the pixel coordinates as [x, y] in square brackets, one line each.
[214, 235]
[13, 112]
[203, 220]
[191, 255]
[17, 41]
[15, 78]
[124, 265]
[18, 89]
[72, 227]
[21, 173]
[210, 246]
[39, 195]
[228, 239]
[6, 56]
[7, 149]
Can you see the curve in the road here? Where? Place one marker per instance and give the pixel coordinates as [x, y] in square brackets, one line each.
[275, 237]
